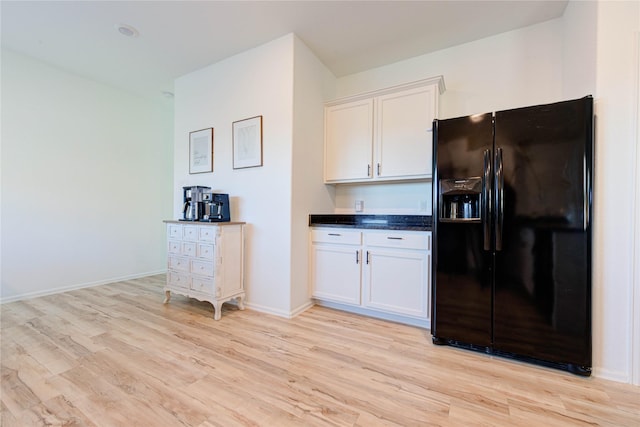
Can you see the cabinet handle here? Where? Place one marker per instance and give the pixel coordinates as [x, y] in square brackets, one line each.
[378, 169]
[335, 234]
[367, 257]
[357, 257]
[368, 170]
[395, 238]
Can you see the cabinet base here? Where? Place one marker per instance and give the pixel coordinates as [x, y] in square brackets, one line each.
[583, 371]
[216, 302]
[406, 320]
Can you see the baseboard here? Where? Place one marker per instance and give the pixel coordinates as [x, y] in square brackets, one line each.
[277, 312]
[608, 374]
[405, 320]
[59, 290]
[301, 309]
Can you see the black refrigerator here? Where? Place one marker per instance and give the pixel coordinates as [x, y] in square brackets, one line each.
[512, 196]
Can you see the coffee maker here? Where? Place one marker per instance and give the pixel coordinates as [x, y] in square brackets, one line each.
[194, 203]
[216, 207]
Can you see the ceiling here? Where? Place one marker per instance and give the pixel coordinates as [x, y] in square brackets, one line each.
[177, 37]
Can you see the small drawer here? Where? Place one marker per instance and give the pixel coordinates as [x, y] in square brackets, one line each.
[189, 248]
[178, 279]
[336, 235]
[203, 284]
[174, 231]
[208, 234]
[179, 264]
[190, 232]
[202, 268]
[175, 247]
[206, 251]
[403, 240]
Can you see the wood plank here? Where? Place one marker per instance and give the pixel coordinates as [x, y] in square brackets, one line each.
[116, 355]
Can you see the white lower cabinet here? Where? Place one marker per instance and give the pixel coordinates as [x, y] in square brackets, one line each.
[205, 261]
[335, 265]
[378, 271]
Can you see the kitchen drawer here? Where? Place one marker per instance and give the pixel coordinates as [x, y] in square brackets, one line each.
[208, 234]
[206, 285]
[175, 247]
[202, 268]
[178, 279]
[190, 232]
[336, 235]
[175, 231]
[189, 248]
[402, 240]
[179, 264]
[205, 251]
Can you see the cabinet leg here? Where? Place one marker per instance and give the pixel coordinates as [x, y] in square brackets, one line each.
[240, 301]
[217, 314]
[167, 296]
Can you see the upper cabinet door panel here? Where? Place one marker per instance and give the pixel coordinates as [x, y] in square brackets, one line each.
[349, 141]
[384, 135]
[404, 133]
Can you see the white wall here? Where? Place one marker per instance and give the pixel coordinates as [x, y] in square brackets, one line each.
[286, 84]
[509, 70]
[579, 49]
[255, 82]
[513, 69]
[617, 26]
[86, 173]
[313, 84]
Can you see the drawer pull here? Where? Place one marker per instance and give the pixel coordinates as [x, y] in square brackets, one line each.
[335, 234]
[395, 238]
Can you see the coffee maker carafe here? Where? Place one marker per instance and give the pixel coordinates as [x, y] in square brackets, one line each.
[192, 197]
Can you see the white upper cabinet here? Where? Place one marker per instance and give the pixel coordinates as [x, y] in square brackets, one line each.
[348, 150]
[382, 136]
[404, 133]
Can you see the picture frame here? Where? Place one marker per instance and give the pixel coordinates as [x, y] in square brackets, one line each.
[201, 151]
[247, 143]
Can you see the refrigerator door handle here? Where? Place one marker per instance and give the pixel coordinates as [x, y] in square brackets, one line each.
[499, 198]
[486, 200]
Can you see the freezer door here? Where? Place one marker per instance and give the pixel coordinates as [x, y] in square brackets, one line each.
[542, 300]
[462, 269]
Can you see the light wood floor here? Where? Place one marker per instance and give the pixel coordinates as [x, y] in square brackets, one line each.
[114, 355]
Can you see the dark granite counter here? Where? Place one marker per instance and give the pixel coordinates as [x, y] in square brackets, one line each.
[380, 222]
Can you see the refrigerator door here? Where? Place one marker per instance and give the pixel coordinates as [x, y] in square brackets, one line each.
[542, 300]
[462, 269]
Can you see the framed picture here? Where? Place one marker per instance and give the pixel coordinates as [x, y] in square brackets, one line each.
[247, 143]
[201, 151]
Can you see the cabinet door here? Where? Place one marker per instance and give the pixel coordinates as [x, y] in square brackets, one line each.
[348, 148]
[335, 272]
[404, 122]
[396, 281]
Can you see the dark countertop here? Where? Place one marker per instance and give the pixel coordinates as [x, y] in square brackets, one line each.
[380, 222]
